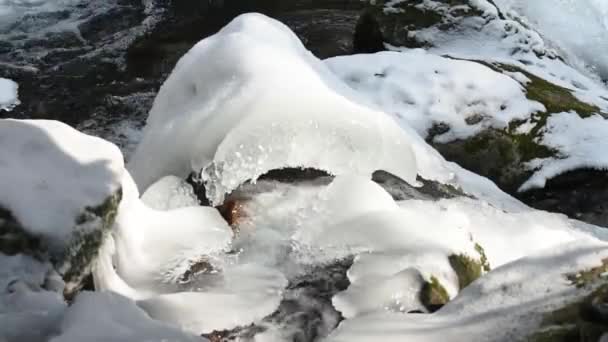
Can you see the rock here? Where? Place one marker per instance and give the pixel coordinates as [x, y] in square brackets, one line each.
[433, 295]
[501, 155]
[400, 21]
[61, 212]
[585, 319]
[580, 194]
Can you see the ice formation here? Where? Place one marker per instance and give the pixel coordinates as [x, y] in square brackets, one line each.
[239, 117]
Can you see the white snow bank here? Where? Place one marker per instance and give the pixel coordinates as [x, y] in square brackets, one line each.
[506, 304]
[27, 312]
[504, 236]
[243, 102]
[110, 317]
[8, 94]
[49, 173]
[421, 89]
[581, 142]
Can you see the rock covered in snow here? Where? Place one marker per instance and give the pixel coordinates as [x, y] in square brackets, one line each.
[553, 295]
[236, 119]
[525, 55]
[60, 193]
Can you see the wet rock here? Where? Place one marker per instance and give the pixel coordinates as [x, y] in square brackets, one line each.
[400, 21]
[580, 194]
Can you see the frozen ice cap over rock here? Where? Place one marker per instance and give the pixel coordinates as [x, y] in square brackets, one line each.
[251, 99]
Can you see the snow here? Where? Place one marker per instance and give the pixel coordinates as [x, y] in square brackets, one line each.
[27, 313]
[507, 304]
[577, 27]
[110, 317]
[422, 89]
[49, 174]
[8, 94]
[238, 118]
[581, 142]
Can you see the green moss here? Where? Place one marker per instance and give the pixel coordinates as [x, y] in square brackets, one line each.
[467, 269]
[484, 260]
[575, 321]
[565, 333]
[500, 154]
[74, 263]
[433, 295]
[587, 277]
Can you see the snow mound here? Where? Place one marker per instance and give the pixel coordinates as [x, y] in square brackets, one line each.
[110, 317]
[422, 89]
[8, 94]
[49, 174]
[265, 103]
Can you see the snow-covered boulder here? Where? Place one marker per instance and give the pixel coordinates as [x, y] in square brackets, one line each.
[60, 193]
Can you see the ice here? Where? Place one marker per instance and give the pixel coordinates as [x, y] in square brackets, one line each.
[8, 94]
[151, 251]
[49, 173]
[397, 293]
[422, 89]
[169, 193]
[581, 142]
[239, 118]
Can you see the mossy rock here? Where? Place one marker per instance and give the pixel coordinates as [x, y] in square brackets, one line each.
[74, 261]
[501, 154]
[585, 319]
[468, 268]
[397, 21]
[433, 295]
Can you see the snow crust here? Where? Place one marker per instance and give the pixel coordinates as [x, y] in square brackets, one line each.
[49, 174]
[238, 117]
[8, 94]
